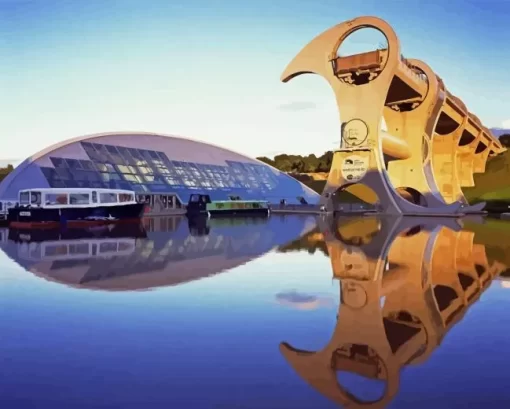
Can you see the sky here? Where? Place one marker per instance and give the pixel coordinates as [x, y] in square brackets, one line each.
[210, 70]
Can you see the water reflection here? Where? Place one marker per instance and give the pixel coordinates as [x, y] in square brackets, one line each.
[164, 251]
[404, 283]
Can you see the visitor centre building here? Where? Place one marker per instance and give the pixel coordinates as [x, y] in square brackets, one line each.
[154, 164]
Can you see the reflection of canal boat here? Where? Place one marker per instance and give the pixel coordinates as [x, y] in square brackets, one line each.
[74, 207]
[130, 230]
[201, 226]
[76, 244]
[67, 250]
[203, 205]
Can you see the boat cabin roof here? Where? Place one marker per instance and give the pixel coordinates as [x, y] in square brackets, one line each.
[77, 190]
[239, 201]
[234, 199]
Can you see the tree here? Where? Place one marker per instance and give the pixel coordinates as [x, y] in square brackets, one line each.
[505, 139]
[266, 160]
[5, 171]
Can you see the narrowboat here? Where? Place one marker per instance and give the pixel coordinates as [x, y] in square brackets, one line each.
[73, 207]
[200, 204]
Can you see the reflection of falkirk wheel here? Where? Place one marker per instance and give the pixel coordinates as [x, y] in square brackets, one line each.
[433, 144]
[396, 311]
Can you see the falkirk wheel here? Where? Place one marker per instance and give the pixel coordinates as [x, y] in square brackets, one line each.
[432, 146]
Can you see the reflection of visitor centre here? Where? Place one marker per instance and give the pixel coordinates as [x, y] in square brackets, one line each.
[168, 167]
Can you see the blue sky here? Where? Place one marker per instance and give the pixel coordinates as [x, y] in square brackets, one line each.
[210, 69]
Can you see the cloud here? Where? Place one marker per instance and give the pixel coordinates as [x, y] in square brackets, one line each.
[303, 301]
[297, 106]
[506, 124]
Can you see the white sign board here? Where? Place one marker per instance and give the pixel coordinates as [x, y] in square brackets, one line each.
[354, 168]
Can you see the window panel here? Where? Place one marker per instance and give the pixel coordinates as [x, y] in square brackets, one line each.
[103, 152]
[87, 165]
[172, 181]
[50, 174]
[64, 174]
[91, 152]
[107, 177]
[123, 169]
[114, 154]
[135, 154]
[79, 175]
[162, 170]
[154, 155]
[132, 178]
[58, 162]
[128, 158]
[105, 167]
[92, 176]
[73, 164]
[145, 154]
[144, 170]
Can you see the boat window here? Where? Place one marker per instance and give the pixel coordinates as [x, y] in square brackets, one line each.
[194, 198]
[55, 250]
[125, 197]
[94, 197]
[108, 197]
[35, 198]
[108, 247]
[24, 198]
[81, 248]
[79, 198]
[56, 199]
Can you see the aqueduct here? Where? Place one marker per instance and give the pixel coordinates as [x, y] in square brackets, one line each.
[433, 145]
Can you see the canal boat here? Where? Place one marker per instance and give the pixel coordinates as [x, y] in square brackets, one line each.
[73, 207]
[202, 205]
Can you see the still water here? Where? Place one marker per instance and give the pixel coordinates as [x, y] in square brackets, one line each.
[286, 312]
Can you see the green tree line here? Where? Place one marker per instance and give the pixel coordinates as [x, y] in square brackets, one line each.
[312, 163]
[300, 164]
[5, 171]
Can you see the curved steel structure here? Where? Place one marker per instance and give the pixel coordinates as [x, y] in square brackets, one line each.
[433, 144]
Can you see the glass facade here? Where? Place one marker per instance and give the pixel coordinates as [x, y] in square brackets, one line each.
[144, 170]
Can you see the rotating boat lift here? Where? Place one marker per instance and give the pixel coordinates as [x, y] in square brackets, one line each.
[433, 144]
[404, 283]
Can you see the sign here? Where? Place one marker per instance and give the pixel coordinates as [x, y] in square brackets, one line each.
[354, 168]
[354, 132]
[28, 214]
[354, 264]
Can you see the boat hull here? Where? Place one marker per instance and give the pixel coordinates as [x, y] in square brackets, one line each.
[74, 217]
